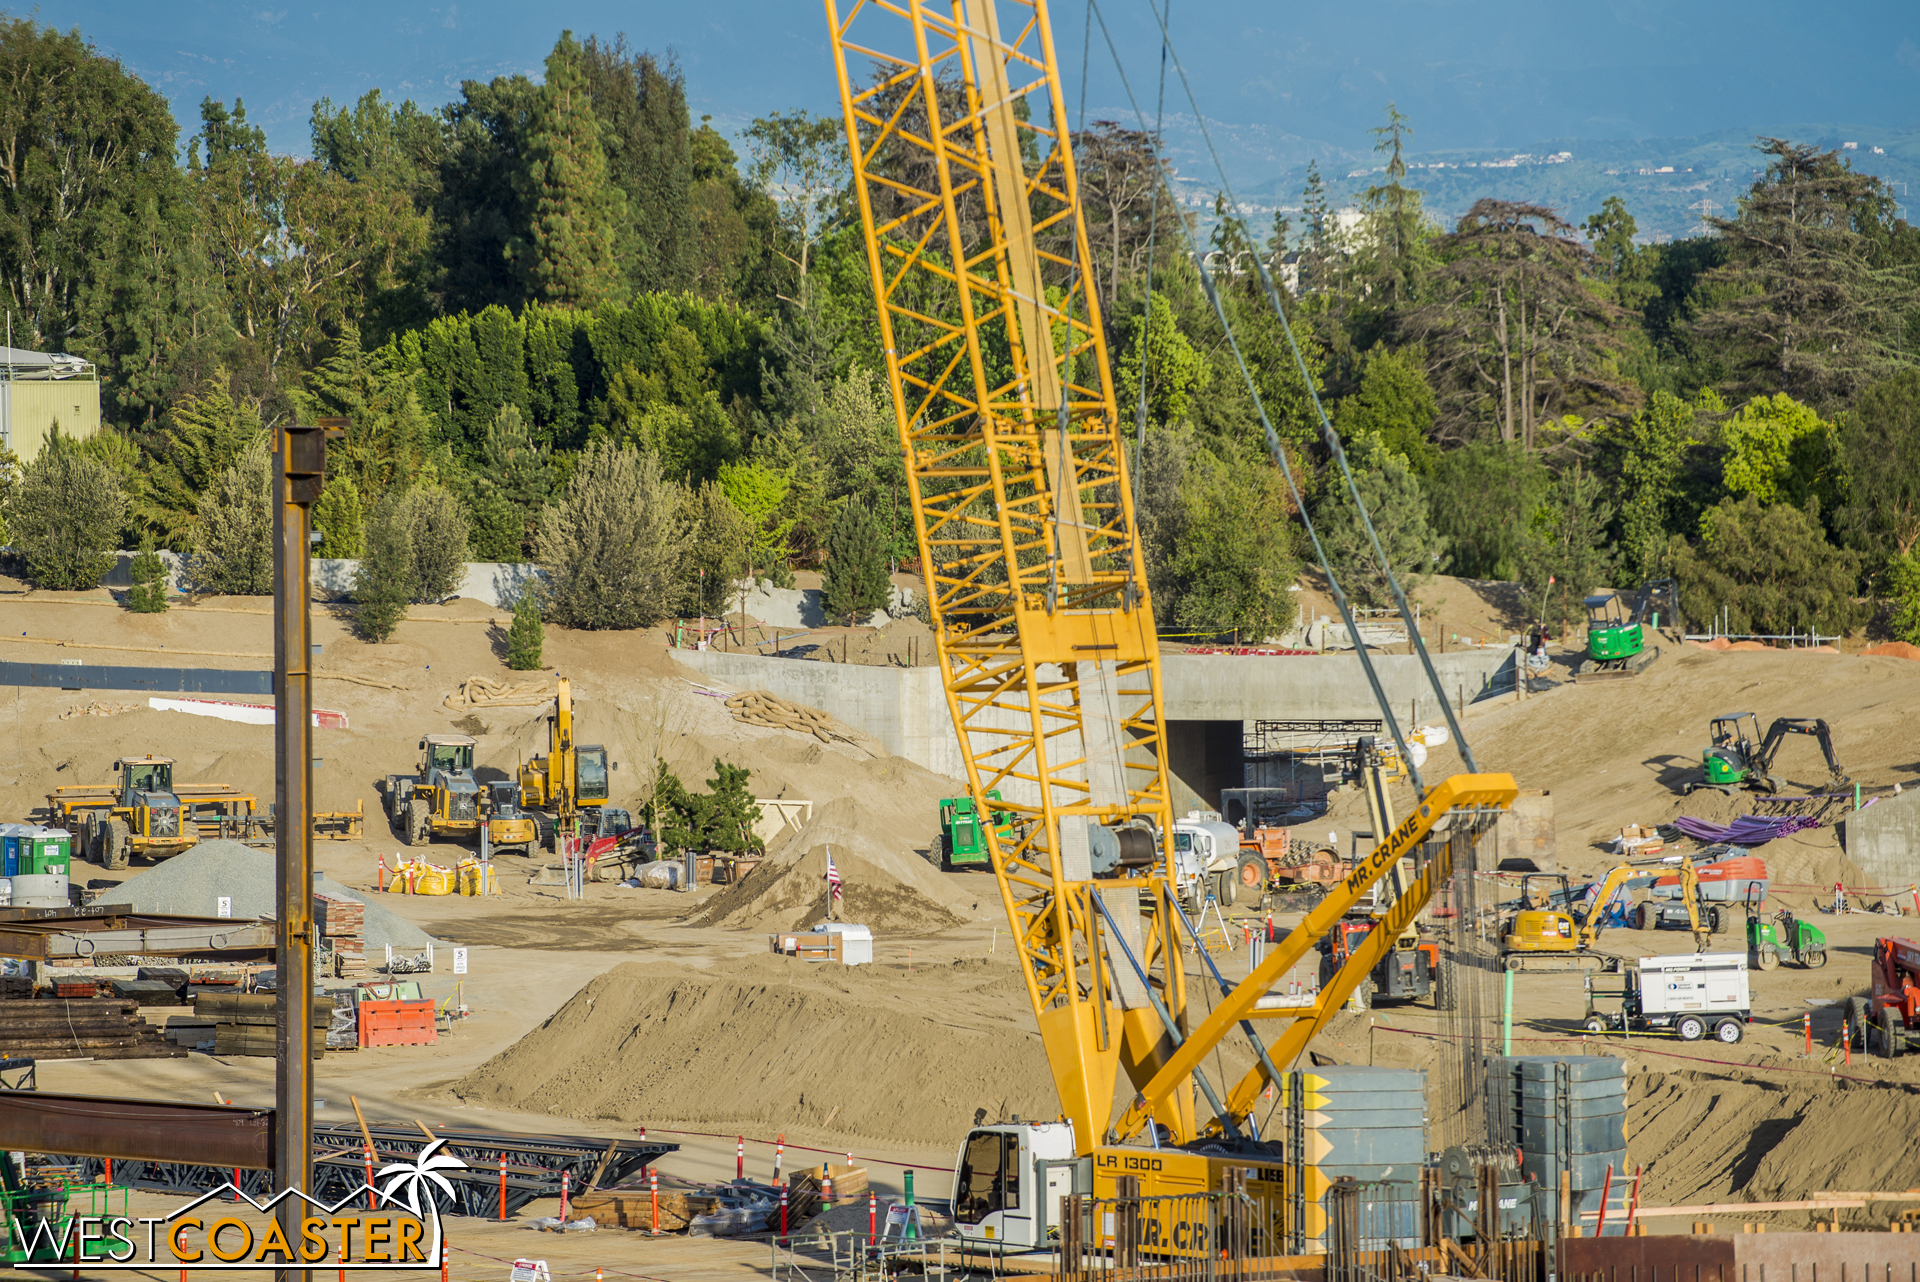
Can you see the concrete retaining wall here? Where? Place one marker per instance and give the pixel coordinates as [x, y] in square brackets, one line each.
[1328, 687]
[906, 710]
[1884, 839]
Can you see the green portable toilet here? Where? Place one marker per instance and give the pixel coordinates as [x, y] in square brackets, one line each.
[45, 851]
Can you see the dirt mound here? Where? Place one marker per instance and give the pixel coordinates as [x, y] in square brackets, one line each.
[779, 1043]
[1894, 650]
[1620, 752]
[887, 884]
[1704, 1137]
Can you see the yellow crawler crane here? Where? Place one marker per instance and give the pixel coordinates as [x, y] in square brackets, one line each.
[1005, 403]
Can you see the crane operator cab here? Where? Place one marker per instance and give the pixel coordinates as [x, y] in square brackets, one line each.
[1010, 1182]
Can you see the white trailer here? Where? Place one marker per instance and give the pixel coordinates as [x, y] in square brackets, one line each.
[1692, 994]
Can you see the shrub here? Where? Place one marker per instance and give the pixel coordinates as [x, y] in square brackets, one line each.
[149, 592]
[66, 517]
[525, 635]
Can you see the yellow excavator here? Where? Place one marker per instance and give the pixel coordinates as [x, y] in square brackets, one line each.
[1548, 931]
[964, 180]
[571, 781]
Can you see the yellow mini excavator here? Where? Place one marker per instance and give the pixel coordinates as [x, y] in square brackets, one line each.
[1548, 931]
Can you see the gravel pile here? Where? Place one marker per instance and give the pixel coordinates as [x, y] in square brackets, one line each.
[192, 884]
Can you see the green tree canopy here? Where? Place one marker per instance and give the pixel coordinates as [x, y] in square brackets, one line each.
[233, 537]
[576, 212]
[1770, 569]
[66, 518]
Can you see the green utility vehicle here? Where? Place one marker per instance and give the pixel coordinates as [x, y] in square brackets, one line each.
[1785, 938]
[1737, 758]
[963, 842]
[1617, 637]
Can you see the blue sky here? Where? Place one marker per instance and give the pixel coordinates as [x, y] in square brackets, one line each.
[1284, 81]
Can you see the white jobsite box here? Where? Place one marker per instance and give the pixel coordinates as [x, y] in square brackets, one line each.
[856, 941]
[1701, 982]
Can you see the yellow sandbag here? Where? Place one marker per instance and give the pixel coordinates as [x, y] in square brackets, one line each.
[431, 879]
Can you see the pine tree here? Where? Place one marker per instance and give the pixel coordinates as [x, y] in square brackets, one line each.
[569, 255]
[149, 592]
[381, 588]
[1398, 509]
[340, 519]
[233, 537]
[525, 635]
[66, 519]
[727, 812]
[855, 582]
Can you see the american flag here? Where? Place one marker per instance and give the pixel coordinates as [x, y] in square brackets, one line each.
[833, 877]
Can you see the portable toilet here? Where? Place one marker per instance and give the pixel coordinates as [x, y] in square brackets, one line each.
[10, 843]
[45, 851]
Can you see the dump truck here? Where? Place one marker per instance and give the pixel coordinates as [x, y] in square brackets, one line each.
[141, 815]
[442, 798]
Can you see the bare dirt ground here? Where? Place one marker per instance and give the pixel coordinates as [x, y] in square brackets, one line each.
[653, 1008]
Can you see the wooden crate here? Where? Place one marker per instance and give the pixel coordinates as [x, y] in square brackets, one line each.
[808, 948]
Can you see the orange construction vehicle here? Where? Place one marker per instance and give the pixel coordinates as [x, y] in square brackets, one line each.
[1888, 1018]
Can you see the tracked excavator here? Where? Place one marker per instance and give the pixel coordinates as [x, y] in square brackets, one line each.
[1549, 931]
[1003, 394]
[565, 789]
[1738, 758]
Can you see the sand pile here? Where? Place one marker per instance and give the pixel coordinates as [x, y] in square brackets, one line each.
[782, 1044]
[887, 882]
[1703, 1137]
[193, 884]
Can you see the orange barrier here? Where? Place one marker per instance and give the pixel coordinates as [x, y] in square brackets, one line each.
[397, 1024]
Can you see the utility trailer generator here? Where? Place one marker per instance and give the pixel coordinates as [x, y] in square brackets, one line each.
[1693, 994]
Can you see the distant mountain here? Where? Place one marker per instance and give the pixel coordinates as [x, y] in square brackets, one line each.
[1668, 184]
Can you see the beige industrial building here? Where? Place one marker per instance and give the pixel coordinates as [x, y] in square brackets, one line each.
[40, 389]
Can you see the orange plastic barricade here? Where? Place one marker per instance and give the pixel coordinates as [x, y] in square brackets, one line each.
[397, 1024]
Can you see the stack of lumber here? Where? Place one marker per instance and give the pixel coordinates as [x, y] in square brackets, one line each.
[93, 1028]
[344, 923]
[243, 1023]
[805, 1191]
[15, 988]
[148, 992]
[632, 1208]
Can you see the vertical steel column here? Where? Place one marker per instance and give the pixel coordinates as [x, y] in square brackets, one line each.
[300, 454]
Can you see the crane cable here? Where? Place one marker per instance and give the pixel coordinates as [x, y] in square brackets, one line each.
[1328, 436]
[1274, 446]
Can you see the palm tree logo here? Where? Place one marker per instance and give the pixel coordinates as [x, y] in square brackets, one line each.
[420, 1174]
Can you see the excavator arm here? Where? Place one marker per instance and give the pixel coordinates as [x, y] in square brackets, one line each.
[1784, 726]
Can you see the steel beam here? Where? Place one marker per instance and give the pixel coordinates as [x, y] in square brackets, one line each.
[94, 676]
[101, 1126]
[300, 452]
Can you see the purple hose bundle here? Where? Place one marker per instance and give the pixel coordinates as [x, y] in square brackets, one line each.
[1747, 830]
